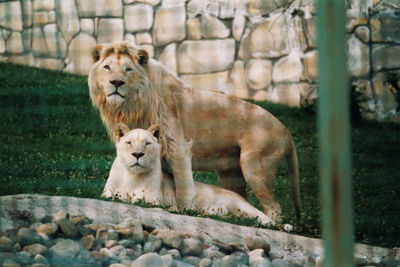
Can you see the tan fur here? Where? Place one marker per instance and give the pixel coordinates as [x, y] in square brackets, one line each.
[132, 179]
[241, 141]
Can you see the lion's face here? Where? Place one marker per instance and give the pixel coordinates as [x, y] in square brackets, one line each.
[139, 150]
[117, 71]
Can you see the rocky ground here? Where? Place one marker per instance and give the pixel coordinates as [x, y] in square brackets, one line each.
[64, 240]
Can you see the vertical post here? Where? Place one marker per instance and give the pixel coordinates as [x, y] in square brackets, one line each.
[334, 134]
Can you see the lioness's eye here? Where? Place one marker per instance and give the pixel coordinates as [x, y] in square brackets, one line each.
[128, 69]
[147, 143]
[107, 67]
[128, 142]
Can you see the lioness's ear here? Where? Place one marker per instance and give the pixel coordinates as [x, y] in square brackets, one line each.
[143, 57]
[156, 131]
[96, 52]
[121, 130]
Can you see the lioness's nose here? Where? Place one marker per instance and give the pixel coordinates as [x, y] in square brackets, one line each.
[117, 83]
[138, 154]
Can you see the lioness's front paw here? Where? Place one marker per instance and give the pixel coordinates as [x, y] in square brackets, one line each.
[106, 193]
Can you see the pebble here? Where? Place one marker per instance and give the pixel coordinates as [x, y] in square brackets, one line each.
[281, 263]
[68, 228]
[192, 247]
[48, 229]
[27, 236]
[37, 249]
[254, 242]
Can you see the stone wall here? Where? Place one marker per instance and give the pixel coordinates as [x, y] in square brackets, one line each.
[256, 49]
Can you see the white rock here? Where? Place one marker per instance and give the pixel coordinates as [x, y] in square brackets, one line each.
[52, 16]
[173, 3]
[310, 65]
[39, 46]
[27, 13]
[217, 81]
[238, 80]
[138, 17]
[110, 30]
[79, 58]
[87, 25]
[11, 15]
[14, 43]
[192, 247]
[100, 8]
[258, 73]
[50, 32]
[194, 29]
[62, 45]
[226, 9]
[130, 38]
[212, 8]
[286, 94]
[206, 56]
[194, 7]
[143, 38]
[67, 19]
[168, 57]
[149, 259]
[43, 5]
[213, 28]
[164, 31]
[288, 69]
[239, 22]
[40, 18]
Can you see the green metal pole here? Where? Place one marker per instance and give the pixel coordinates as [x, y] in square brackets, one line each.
[334, 134]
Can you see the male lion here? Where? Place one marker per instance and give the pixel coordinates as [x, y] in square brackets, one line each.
[241, 141]
[137, 175]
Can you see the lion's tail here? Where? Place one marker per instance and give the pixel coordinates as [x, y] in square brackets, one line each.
[292, 162]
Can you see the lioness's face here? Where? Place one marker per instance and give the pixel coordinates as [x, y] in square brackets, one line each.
[139, 151]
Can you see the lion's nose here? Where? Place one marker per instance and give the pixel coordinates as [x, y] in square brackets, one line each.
[117, 83]
[138, 154]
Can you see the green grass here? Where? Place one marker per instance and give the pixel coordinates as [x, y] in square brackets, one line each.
[52, 142]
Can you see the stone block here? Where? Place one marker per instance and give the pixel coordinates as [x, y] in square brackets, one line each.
[50, 32]
[143, 38]
[100, 8]
[79, 59]
[358, 57]
[168, 57]
[218, 81]
[110, 30]
[14, 43]
[27, 39]
[258, 73]
[286, 94]
[262, 7]
[310, 31]
[226, 9]
[265, 39]
[194, 29]
[261, 95]
[40, 18]
[11, 15]
[52, 16]
[385, 27]
[43, 5]
[386, 104]
[62, 45]
[239, 22]
[194, 7]
[138, 17]
[310, 65]
[67, 19]
[238, 80]
[87, 25]
[288, 69]
[150, 2]
[27, 13]
[362, 33]
[39, 46]
[206, 56]
[130, 38]
[164, 31]
[2, 44]
[213, 28]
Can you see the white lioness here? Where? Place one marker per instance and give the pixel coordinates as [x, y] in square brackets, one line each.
[137, 175]
[242, 142]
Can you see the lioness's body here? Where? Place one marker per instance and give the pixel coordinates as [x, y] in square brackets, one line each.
[147, 182]
[241, 141]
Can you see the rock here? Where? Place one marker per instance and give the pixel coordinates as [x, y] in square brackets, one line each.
[130, 38]
[39, 46]
[179, 263]
[192, 260]
[62, 45]
[358, 57]
[48, 229]
[85, 230]
[192, 247]
[87, 241]
[23, 257]
[258, 73]
[266, 39]
[259, 262]
[28, 236]
[67, 18]
[386, 104]
[118, 250]
[106, 253]
[100, 8]
[288, 69]
[310, 31]
[50, 32]
[256, 7]
[259, 252]
[104, 234]
[68, 228]
[385, 26]
[26, 40]
[213, 28]
[168, 57]
[79, 59]
[149, 247]
[65, 252]
[5, 241]
[212, 81]
[226, 9]
[238, 80]
[194, 29]
[281, 263]
[14, 43]
[174, 253]
[239, 22]
[87, 25]
[11, 15]
[205, 262]
[138, 17]
[136, 229]
[163, 31]
[52, 17]
[79, 220]
[362, 33]
[386, 57]
[310, 65]
[240, 258]
[255, 242]
[37, 249]
[211, 56]
[110, 30]
[156, 241]
[10, 263]
[27, 13]
[194, 7]
[170, 238]
[111, 243]
[149, 259]
[43, 5]
[40, 18]
[143, 38]
[39, 259]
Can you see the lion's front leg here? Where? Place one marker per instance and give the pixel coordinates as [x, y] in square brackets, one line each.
[184, 185]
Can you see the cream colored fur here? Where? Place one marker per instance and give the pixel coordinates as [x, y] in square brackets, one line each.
[241, 141]
[132, 179]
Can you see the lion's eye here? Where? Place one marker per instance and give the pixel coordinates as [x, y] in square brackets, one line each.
[147, 143]
[128, 69]
[107, 67]
[128, 143]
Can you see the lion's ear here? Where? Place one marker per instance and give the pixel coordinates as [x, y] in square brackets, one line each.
[156, 131]
[96, 52]
[121, 130]
[143, 57]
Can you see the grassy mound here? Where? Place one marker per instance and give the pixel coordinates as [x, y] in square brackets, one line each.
[53, 143]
